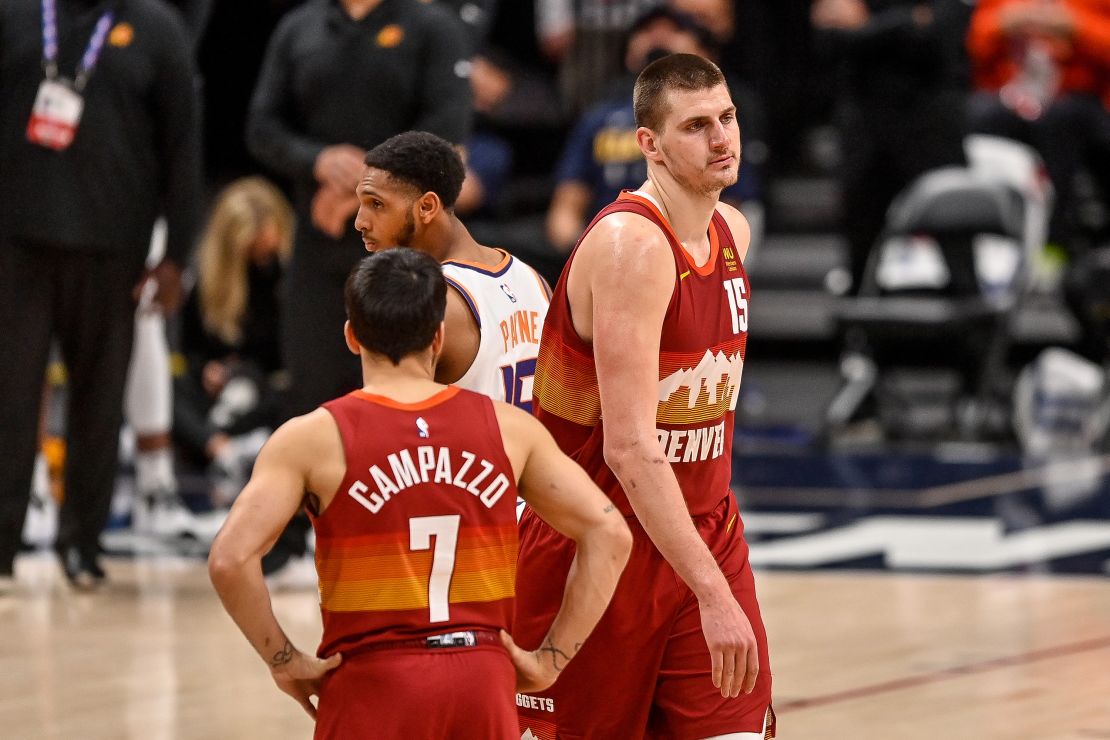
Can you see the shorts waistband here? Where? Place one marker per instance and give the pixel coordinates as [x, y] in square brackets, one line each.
[464, 639]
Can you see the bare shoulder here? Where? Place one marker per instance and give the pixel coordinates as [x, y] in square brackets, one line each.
[738, 225]
[515, 423]
[304, 439]
[626, 241]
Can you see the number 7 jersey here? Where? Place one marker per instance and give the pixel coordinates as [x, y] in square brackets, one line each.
[509, 302]
[420, 538]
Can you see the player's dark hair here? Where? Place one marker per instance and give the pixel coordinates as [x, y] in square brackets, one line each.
[395, 300]
[673, 72]
[426, 162]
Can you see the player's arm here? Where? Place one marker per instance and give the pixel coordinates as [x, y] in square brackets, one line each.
[273, 495]
[631, 280]
[563, 495]
[463, 337]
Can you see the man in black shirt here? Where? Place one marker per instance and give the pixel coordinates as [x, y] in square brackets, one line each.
[98, 136]
[340, 77]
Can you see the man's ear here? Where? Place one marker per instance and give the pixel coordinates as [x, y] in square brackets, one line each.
[428, 207]
[349, 335]
[438, 341]
[649, 144]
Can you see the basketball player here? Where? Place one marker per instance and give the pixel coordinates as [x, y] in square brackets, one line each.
[412, 486]
[638, 376]
[496, 305]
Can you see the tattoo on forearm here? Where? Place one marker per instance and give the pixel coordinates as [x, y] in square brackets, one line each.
[608, 509]
[283, 656]
[559, 659]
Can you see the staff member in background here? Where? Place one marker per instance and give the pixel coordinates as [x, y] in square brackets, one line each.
[98, 135]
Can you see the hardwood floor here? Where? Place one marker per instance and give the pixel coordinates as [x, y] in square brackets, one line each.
[855, 655]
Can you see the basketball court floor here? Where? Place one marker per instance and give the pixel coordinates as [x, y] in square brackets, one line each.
[951, 592]
[921, 592]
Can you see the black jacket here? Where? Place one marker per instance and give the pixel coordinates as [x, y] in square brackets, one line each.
[136, 154]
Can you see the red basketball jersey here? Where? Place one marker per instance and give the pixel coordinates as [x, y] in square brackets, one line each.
[701, 357]
[420, 538]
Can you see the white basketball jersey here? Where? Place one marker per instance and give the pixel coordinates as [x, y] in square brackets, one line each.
[509, 301]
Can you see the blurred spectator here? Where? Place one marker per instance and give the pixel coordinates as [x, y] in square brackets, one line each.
[339, 78]
[584, 37]
[227, 398]
[85, 168]
[901, 108]
[1043, 69]
[602, 157]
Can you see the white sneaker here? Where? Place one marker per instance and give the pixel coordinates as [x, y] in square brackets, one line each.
[40, 528]
[167, 516]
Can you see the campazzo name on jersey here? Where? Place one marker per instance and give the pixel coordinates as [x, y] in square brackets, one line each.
[427, 464]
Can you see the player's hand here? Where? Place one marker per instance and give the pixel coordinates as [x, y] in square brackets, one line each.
[535, 671]
[333, 209]
[731, 641]
[339, 166]
[301, 677]
[165, 277]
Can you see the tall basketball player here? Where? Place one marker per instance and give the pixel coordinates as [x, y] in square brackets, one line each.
[638, 376]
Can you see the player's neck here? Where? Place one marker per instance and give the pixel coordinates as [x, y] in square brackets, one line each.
[409, 381]
[460, 245]
[359, 9]
[687, 212]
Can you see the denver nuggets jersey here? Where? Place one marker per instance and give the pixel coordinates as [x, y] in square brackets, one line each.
[509, 302]
[420, 538]
[701, 357]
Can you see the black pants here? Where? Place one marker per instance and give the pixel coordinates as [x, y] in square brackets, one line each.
[84, 300]
[313, 351]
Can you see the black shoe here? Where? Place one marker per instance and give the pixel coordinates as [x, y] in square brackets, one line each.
[82, 572]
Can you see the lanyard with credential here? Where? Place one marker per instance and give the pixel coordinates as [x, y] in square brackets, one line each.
[50, 45]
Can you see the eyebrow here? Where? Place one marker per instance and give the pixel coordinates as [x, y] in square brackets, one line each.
[691, 119]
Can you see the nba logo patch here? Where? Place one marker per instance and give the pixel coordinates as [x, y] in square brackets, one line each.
[508, 291]
[422, 428]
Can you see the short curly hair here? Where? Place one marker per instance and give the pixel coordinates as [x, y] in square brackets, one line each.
[424, 161]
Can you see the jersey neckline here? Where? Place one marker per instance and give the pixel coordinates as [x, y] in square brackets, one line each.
[433, 400]
[494, 270]
[714, 240]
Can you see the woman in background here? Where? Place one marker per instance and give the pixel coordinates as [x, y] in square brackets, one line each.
[227, 397]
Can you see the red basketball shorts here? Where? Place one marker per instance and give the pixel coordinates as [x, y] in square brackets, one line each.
[645, 671]
[463, 693]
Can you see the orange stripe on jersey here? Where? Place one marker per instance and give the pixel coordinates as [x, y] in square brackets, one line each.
[714, 241]
[444, 395]
[381, 573]
[491, 269]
